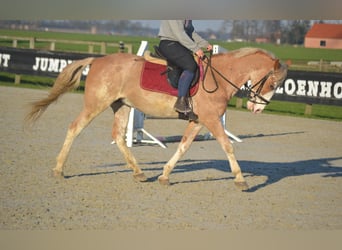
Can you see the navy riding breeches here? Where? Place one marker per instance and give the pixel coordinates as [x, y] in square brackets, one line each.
[178, 55]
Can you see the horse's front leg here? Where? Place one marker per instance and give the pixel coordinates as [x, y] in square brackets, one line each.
[189, 135]
[121, 116]
[216, 128]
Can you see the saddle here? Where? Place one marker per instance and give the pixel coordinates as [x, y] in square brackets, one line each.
[159, 75]
[173, 72]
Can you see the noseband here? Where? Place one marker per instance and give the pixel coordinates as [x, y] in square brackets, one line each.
[251, 93]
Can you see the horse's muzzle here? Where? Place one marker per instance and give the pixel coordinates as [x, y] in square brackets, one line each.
[256, 108]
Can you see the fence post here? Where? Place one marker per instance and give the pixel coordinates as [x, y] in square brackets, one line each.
[308, 109]
[17, 79]
[32, 42]
[52, 45]
[130, 48]
[121, 47]
[103, 48]
[90, 48]
[239, 102]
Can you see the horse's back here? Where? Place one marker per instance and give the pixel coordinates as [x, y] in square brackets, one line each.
[114, 67]
[117, 59]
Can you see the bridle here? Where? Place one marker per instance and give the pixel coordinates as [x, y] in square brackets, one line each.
[251, 93]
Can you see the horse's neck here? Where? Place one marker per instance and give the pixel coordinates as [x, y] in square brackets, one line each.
[236, 71]
[240, 70]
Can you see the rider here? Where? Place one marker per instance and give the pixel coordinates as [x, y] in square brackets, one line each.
[178, 42]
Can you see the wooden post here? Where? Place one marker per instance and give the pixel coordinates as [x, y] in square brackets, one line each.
[239, 102]
[17, 79]
[308, 109]
[129, 48]
[121, 47]
[52, 45]
[32, 42]
[91, 48]
[103, 48]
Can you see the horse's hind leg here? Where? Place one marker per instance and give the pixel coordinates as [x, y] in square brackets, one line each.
[121, 116]
[189, 135]
[83, 119]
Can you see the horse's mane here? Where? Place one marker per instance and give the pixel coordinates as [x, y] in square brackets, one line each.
[246, 51]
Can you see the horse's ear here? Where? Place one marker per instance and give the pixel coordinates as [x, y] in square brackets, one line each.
[277, 64]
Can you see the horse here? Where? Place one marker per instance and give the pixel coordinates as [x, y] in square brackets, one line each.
[114, 81]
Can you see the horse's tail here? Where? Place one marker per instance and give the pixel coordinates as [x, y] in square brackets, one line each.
[67, 80]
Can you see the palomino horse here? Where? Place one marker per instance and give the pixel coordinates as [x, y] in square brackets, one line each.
[114, 80]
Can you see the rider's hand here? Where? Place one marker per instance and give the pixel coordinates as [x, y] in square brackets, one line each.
[200, 53]
[210, 47]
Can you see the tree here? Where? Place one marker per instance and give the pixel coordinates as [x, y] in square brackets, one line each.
[238, 30]
[295, 32]
[271, 29]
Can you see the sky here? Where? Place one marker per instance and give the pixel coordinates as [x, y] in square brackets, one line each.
[200, 25]
[176, 9]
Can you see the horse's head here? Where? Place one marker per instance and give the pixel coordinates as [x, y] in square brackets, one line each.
[262, 91]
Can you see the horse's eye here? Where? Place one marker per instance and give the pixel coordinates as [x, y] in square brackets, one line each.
[272, 86]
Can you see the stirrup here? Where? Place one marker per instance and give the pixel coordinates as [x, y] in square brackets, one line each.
[191, 116]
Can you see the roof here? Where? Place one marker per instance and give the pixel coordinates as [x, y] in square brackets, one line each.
[325, 30]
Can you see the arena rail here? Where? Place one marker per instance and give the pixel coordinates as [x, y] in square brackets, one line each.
[52, 43]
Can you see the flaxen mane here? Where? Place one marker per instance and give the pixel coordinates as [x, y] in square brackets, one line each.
[249, 51]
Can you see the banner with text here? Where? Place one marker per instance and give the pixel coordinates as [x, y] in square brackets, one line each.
[38, 62]
[311, 88]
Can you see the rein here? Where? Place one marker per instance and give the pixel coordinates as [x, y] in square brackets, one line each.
[250, 92]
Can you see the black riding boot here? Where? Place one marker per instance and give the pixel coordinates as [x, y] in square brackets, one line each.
[182, 105]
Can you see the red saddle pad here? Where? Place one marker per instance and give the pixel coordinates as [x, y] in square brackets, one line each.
[154, 78]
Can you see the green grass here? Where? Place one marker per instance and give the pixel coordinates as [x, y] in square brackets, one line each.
[298, 109]
[297, 54]
[328, 112]
[134, 41]
[289, 52]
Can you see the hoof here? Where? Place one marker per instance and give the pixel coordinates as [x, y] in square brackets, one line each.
[242, 185]
[163, 181]
[140, 177]
[57, 174]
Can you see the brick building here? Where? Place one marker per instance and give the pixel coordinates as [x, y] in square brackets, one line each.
[322, 35]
